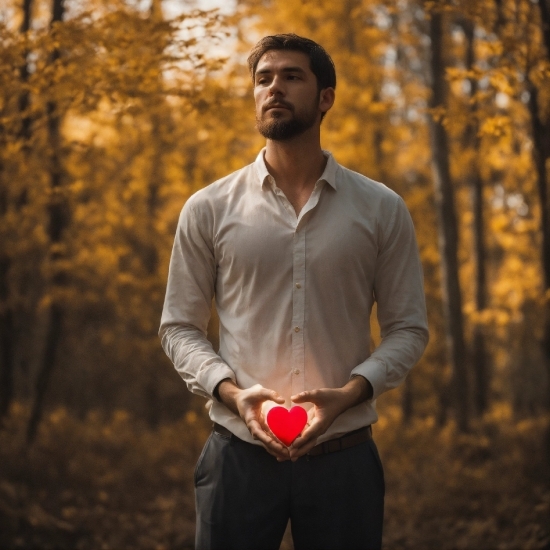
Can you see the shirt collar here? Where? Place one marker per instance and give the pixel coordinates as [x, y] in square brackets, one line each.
[328, 175]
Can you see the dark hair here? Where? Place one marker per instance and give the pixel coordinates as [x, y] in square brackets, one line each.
[320, 62]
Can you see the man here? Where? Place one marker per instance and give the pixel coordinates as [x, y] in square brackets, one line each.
[295, 249]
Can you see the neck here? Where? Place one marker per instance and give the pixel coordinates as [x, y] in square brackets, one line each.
[297, 162]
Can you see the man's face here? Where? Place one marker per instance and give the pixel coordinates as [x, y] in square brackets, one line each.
[286, 95]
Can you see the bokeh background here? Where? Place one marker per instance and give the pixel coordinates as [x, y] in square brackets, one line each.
[113, 112]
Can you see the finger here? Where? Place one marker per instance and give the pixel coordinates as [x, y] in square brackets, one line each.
[279, 451]
[280, 455]
[302, 440]
[305, 396]
[310, 433]
[273, 447]
[304, 443]
[265, 427]
[295, 453]
[260, 430]
[272, 395]
[257, 432]
[276, 444]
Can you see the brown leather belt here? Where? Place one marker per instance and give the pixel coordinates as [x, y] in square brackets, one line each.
[345, 442]
[331, 446]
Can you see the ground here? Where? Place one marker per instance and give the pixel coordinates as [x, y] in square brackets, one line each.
[113, 483]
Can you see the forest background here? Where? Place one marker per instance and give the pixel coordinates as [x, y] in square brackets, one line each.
[112, 113]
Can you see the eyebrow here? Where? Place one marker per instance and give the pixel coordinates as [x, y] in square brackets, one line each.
[284, 70]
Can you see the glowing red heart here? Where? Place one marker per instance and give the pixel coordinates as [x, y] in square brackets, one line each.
[287, 425]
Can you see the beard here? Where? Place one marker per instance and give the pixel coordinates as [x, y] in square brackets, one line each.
[276, 128]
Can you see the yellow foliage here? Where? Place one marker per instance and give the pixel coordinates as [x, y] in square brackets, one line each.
[496, 126]
[147, 117]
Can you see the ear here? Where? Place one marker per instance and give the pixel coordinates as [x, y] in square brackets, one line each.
[326, 99]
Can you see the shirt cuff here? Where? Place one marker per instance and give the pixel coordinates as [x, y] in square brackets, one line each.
[212, 376]
[374, 370]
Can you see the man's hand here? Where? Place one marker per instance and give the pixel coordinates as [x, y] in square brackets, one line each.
[329, 403]
[247, 404]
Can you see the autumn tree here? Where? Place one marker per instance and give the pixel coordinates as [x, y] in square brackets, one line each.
[134, 115]
[97, 211]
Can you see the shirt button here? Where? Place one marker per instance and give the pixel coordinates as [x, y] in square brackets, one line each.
[296, 329]
[296, 371]
[298, 285]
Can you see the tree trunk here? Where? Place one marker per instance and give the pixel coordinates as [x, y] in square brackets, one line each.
[58, 220]
[55, 321]
[541, 155]
[544, 7]
[448, 228]
[150, 254]
[7, 323]
[407, 401]
[24, 71]
[6, 329]
[6, 313]
[479, 348]
[541, 151]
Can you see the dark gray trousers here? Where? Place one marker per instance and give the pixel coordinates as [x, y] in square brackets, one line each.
[244, 498]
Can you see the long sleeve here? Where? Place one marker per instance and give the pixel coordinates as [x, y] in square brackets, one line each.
[186, 312]
[401, 306]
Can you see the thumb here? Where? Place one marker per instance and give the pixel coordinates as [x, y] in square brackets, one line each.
[272, 395]
[277, 398]
[303, 397]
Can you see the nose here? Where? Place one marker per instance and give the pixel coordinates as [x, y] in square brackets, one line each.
[276, 87]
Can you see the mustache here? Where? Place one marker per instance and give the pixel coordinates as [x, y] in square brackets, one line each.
[278, 103]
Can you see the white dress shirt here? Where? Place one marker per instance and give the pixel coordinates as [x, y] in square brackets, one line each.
[294, 293]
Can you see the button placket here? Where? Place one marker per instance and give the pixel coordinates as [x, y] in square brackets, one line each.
[298, 295]
[298, 309]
